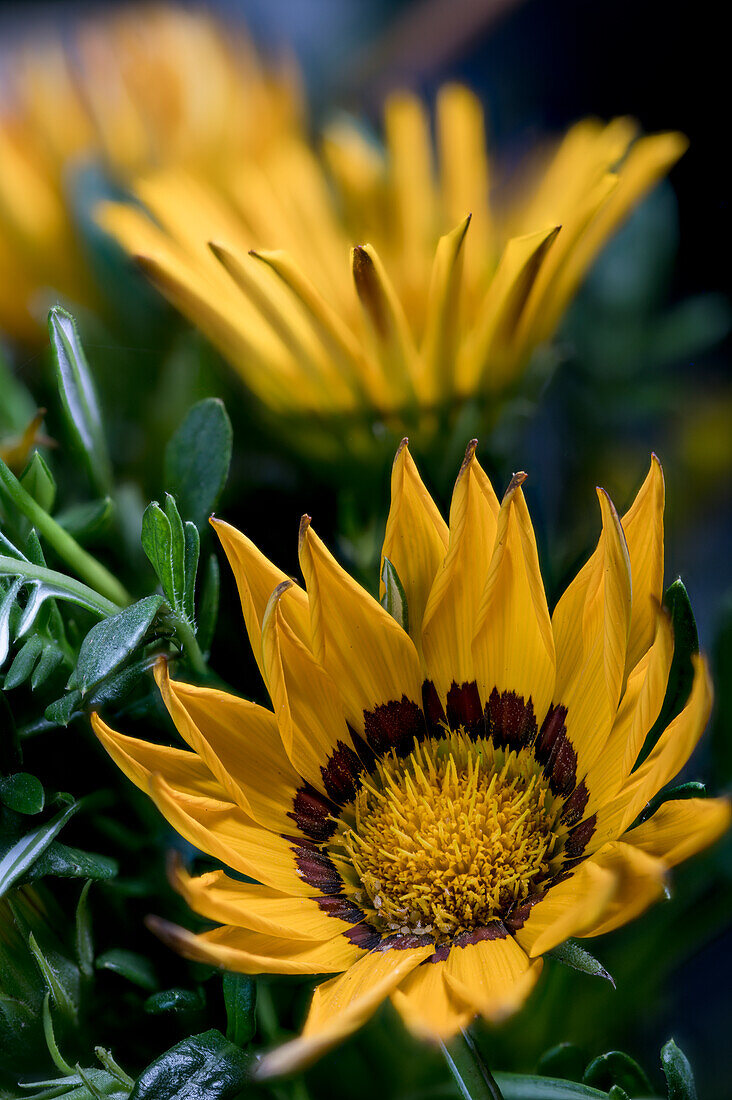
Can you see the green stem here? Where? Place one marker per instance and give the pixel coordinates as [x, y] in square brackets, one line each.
[471, 1074]
[190, 645]
[81, 593]
[67, 548]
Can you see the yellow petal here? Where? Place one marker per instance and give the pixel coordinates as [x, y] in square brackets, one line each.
[391, 339]
[428, 1006]
[366, 652]
[567, 909]
[262, 909]
[681, 828]
[513, 649]
[442, 327]
[596, 605]
[639, 708]
[342, 1005]
[452, 607]
[643, 527]
[139, 760]
[241, 744]
[640, 882]
[464, 170]
[673, 749]
[253, 953]
[306, 701]
[416, 538]
[256, 578]
[483, 355]
[409, 146]
[222, 830]
[494, 975]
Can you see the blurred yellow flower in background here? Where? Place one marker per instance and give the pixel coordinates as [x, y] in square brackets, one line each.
[455, 277]
[135, 90]
[447, 786]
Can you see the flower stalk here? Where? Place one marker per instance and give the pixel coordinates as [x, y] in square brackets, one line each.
[472, 1076]
[84, 565]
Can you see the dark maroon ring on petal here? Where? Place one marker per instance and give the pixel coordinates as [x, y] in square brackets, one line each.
[511, 721]
[315, 867]
[394, 726]
[313, 813]
[465, 710]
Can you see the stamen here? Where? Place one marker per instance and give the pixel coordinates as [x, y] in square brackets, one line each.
[449, 838]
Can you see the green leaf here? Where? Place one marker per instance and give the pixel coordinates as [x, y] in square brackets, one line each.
[177, 551]
[157, 542]
[565, 1060]
[616, 1093]
[20, 856]
[51, 659]
[193, 549]
[23, 793]
[180, 1001]
[63, 997]
[692, 789]
[79, 399]
[63, 710]
[38, 480]
[681, 675]
[203, 1067]
[394, 598]
[111, 643]
[23, 663]
[617, 1068]
[135, 968]
[7, 607]
[678, 1071]
[83, 942]
[61, 861]
[56, 1057]
[208, 607]
[240, 998]
[571, 954]
[519, 1086]
[197, 460]
[84, 521]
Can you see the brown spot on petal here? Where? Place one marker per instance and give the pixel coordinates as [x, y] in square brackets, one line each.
[403, 941]
[434, 712]
[511, 721]
[363, 935]
[554, 750]
[341, 907]
[341, 774]
[464, 709]
[313, 813]
[395, 725]
[495, 930]
[574, 807]
[316, 868]
[579, 838]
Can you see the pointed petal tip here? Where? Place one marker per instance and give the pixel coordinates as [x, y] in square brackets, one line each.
[305, 522]
[469, 456]
[515, 483]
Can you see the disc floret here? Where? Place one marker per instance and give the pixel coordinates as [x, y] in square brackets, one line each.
[449, 838]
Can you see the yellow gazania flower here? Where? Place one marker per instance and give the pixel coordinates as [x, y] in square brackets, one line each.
[429, 810]
[443, 304]
[136, 90]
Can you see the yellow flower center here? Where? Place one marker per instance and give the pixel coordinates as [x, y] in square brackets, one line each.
[448, 838]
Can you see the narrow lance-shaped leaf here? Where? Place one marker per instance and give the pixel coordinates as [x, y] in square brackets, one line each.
[79, 399]
[135, 968]
[208, 606]
[21, 855]
[193, 549]
[197, 460]
[578, 958]
[83, 941]
[617, 1069]
[63, 997]
[38, 480]
[112, 642]
[177, 552]
[240, 998]
[681, 675]
[157, 542]
[394, 599]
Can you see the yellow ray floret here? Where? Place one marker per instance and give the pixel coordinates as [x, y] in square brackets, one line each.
[134, 92]
[409, 285]
[434, 802]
